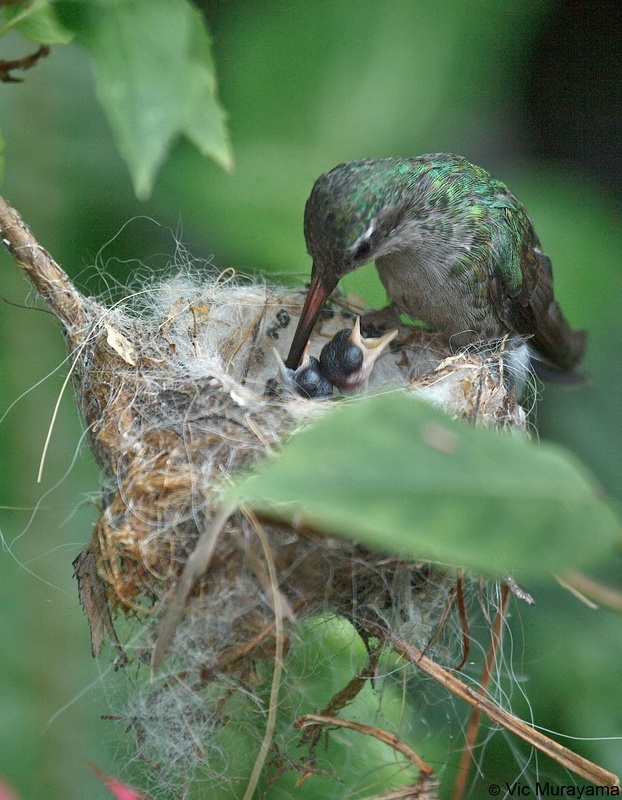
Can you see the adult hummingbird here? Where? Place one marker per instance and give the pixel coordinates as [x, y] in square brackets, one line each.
[453, 247]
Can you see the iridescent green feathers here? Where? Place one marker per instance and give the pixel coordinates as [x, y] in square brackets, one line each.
[441, 214]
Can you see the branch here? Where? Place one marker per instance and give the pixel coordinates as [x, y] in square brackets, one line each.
[51, 281]
[567, 758]
[26, 62]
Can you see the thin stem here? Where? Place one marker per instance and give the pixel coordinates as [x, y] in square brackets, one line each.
[476, 714]
[572, 761]
[277, 604]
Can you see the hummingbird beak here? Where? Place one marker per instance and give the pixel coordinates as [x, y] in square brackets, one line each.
[322, 285]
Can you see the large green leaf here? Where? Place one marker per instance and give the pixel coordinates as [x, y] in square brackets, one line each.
[37, 21]
[155, 79]
[401, 476]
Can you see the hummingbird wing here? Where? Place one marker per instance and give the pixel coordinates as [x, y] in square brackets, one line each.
[520, 281]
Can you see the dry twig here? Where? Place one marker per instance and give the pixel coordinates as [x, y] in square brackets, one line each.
[567, 758]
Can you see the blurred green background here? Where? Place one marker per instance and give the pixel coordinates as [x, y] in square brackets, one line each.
[528, 89]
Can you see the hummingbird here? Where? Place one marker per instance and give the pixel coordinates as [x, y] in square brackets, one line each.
[345, 362]
[348, 359]
[453, 247]
[308, 380]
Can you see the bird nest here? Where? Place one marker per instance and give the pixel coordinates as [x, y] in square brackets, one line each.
[179, 389]
[180, 394]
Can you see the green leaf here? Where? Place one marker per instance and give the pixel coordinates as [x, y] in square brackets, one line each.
[400, 476]
[155, 79]
[37, 21]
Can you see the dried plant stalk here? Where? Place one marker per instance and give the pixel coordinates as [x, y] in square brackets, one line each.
[563, 755]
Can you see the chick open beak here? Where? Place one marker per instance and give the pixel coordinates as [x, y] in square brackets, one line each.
[372, 349]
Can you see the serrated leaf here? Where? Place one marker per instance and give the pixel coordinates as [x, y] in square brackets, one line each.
[37, 21]
[155, 79]
[402, 477]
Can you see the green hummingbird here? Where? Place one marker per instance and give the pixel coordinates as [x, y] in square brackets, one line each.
[453, 247]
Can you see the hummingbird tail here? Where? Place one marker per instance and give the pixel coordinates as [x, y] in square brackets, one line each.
[568, 377]
[561, 346]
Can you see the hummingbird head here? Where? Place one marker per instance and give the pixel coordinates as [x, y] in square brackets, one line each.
[353, 214]
[351, 218]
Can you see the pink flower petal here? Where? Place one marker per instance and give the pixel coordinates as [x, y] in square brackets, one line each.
[121, 791]
[6, 793]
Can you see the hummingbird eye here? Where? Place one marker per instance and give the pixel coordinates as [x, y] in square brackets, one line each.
[363, 250]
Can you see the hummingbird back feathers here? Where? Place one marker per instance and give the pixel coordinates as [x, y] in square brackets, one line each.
[453, 247]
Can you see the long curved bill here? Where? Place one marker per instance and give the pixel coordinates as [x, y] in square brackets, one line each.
[320, 290]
